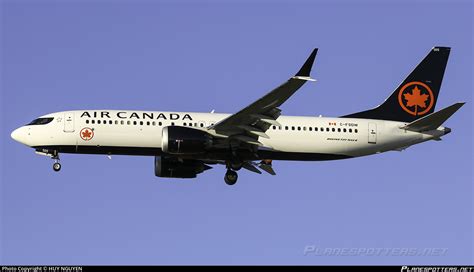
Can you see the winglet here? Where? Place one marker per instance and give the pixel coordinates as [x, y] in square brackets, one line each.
[306, 68]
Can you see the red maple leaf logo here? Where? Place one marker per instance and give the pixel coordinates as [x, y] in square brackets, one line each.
[416, 99]
[86, 134]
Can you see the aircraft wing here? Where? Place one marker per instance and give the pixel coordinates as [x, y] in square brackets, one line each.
[250, 123]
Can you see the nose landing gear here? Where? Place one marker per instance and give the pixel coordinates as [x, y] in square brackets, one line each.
[56, 164]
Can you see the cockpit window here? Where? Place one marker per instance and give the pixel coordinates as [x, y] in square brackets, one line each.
[41, 121]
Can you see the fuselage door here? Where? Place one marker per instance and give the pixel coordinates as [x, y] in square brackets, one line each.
[69, 122]
[372, 133]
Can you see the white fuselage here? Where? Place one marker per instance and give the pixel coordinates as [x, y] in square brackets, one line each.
[140, 133]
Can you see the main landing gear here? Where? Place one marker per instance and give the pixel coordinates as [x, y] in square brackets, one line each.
[233, 166]
[56, 164]
[230, 177]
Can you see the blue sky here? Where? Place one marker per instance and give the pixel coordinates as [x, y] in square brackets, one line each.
[200, 56]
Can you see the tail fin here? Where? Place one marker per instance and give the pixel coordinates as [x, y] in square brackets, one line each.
[417, 95]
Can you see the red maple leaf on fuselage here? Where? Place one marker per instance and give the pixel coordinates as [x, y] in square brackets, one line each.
[86, 134]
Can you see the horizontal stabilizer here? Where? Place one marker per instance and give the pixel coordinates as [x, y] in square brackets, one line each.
[433, 120]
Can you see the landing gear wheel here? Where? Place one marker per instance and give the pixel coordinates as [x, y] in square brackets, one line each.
[230, 177]
[55, 157]
[56, 166]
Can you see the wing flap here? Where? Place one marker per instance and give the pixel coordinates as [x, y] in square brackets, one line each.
[255, 131]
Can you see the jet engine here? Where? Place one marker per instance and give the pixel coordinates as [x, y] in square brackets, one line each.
[174, 168]
[185, 140]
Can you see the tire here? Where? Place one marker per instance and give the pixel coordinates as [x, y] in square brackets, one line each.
[230, 177]
[56, 166]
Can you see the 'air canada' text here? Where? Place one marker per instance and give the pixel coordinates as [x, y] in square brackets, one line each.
[137, 115]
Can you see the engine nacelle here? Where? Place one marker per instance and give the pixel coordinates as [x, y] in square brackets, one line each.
[173, 168]
[184, 140]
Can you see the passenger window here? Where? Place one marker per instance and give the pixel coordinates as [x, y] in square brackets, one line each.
[333, 129]
[116, 122]
[304, 128]
[172, 123]
[122, 122]
[160, 123]
[110, 122]
[135, 123]
[355, 130]
[292, 128]
[274, 127]
[141, 123]
[316, 129]
[310, 129]
[147, 123]
[327, 129]
[128, 122]
[339, 130]
[286, 127]
[350, 130]
[93, 121]
[87, 121]
[153, 123]
[201, 124]
[184, 124]
[98, 122]
[345, 130]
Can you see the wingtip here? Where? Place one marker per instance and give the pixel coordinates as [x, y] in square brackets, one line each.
[460, 103]
[306, 68]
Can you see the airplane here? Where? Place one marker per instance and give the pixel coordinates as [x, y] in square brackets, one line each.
[186, 144]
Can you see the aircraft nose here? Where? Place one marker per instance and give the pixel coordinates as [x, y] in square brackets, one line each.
[15, 134]
[18, 135]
